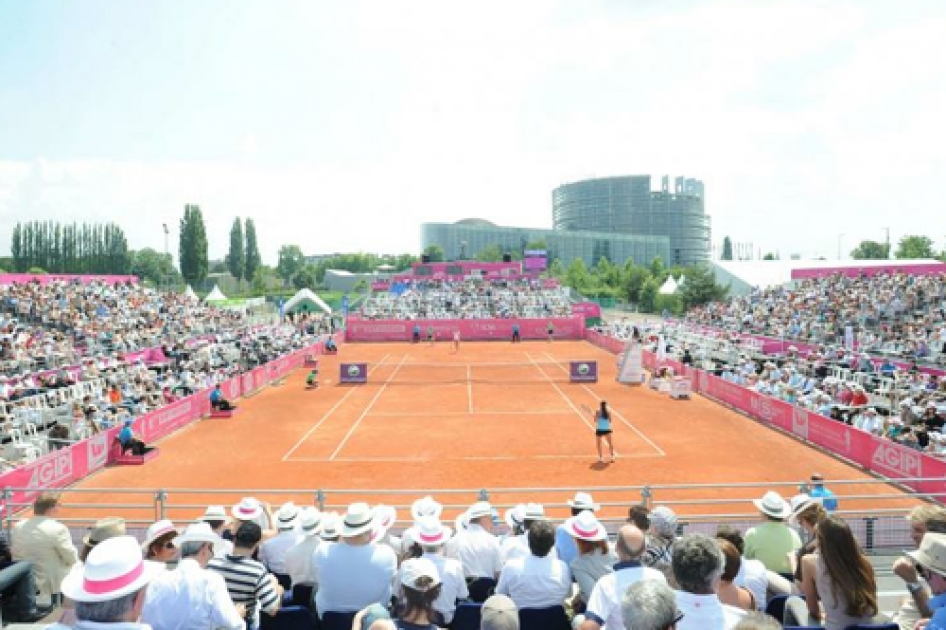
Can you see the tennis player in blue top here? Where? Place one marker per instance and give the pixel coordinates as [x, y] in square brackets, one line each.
[603, 431]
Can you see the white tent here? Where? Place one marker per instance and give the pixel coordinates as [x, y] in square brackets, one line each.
[216, 295]
[189, 293]
[303, 296]
[669, 287]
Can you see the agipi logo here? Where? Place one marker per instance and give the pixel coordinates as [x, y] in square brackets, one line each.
[800, 423]
[897, 459]
[98, 450]
[52, 471]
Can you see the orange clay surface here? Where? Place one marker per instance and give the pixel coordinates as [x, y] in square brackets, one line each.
[493, 415]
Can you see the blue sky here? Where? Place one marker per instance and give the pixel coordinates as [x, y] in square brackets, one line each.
[341, 126]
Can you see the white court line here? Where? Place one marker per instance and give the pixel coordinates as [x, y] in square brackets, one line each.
[367, 409]
[489, 458]
[440, 414]
[330, 411]
[469, 385]
[620, 417]
[561, 393]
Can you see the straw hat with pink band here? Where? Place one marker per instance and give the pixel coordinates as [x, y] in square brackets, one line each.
[113, 569]
[429, 531]
[586, 527]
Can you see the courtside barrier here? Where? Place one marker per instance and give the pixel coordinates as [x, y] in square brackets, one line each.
[66, 466]
[878, 455]
[470, 329]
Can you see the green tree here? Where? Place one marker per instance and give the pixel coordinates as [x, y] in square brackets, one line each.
[490, 253]
[700, 287]
[235, 257]
[871, 250]
[539, 244]
[251, 257]
[192, 249]
[914, 246]
[658, 270]
[557, 269]
[154, 267]
[769, 256]
[648, 295]
[634, 279]
[577, 276]
[727, 249]
[435, 252]
[291, 262]
[304, 278]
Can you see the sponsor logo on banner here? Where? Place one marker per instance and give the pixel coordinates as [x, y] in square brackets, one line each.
[899, 460]
[830, 434]
[53, 471]
[800, 423]
[98, 450]
[354, 373]
[159, 421]
[380, 328]
[583, 372]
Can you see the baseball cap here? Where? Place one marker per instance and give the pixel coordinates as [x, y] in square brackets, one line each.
[499, 613]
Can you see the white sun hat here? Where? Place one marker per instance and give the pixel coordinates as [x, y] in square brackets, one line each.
[331, 522]
[286, 516]
[156, 530]
[214, 513]
[359, 518]
[248, 509]
[426, 507]
[429, 531]
[534, 512]
[309, 520]
[113, 569]
[198, 532]
[583, 501]
[478, 510]
[772, 504]
[586, 527]
[515, 515]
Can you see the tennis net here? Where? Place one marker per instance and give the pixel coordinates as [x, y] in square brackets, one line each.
[496, 373]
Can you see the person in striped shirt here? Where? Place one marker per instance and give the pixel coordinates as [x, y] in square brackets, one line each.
[248, 581]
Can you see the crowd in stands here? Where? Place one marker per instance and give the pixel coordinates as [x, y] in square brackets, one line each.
[469, 299]
[76, 359]
[887, 394]
[799, 565]
[897, 315]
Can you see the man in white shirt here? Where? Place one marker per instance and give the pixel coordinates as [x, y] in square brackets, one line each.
[216, 517]
[518, 546]
[476, 548]
[299, 559]
[191, 596]
[272, 553]
[697, 567]
[604, 605]
[354, 573]
[539, 580]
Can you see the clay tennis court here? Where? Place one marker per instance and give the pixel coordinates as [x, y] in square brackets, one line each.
[494, 415]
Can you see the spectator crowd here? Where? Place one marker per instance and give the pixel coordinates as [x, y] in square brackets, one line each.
[800, 565]
[76, 359]
[468, 299]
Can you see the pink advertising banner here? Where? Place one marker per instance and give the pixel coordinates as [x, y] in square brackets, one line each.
[878, 455]
[68, 465]
[853, 272]
[586, 309]
[23, 278]
[470, 329]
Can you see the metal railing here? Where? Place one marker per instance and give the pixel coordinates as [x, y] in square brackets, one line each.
[698, 507]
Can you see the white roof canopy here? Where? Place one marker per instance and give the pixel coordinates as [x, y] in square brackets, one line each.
[306, 294]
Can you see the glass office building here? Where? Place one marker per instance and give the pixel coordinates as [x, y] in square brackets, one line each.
[627, 205]
[463, 240]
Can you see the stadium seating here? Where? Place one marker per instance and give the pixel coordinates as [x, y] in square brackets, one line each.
[552, 618]
[467, 617]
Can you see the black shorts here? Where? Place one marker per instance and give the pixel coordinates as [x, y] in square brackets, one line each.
[599, 432]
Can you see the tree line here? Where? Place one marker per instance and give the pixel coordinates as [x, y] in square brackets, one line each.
[54, 247]
[910, 247]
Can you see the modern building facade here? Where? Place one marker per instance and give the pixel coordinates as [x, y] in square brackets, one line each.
[465, 239]
[627, 205]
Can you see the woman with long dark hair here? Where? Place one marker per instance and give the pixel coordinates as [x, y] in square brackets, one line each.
[838, 582]
[603, 431]
[420, 587]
